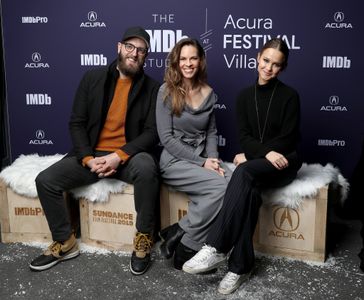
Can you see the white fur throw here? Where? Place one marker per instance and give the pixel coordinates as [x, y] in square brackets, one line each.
[310, 178]
[20, 177]
[21, 174]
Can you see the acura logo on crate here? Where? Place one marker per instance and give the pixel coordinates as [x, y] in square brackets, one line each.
[286, 220]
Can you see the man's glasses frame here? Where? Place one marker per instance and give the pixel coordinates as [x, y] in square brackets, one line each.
[130, 48]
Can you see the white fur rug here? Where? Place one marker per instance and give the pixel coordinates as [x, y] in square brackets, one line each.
[310, 178]
[21, 174]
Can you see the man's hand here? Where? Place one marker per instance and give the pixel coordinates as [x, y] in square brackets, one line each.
[112, 162]
[105, 165]
[95, 164]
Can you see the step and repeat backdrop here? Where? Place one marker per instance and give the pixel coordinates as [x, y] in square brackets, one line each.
[48, 45]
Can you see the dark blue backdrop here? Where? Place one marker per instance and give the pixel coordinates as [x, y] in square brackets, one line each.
[48, 45]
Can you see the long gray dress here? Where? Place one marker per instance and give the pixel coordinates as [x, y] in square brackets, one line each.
[188, 140]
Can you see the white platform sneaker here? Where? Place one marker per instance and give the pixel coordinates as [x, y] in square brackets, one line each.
[231, 282]
[205, 260]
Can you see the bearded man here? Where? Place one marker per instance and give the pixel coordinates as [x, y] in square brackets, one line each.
[113, 133]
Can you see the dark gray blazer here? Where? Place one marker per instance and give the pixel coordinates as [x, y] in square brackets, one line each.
[91, 104]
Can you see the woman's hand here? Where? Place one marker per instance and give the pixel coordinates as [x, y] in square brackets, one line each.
[277, 160]
[214, 165]
[239, 159]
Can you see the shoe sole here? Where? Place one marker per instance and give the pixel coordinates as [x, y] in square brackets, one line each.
[53, 263]
[227, 292]
[194, 271]
[137, 273]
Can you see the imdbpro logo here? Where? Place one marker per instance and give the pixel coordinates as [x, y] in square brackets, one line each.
[286, 219]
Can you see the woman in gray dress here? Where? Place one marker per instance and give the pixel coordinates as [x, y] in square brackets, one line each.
[189, 162]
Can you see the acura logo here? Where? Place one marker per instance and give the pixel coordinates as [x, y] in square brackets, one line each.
[339, 16]
[36, 57]
[92, 16]
[286, 219]
[334, 100]
[39, 134]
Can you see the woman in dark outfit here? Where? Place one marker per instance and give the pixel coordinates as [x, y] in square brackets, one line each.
[268, 115]
[354, 204]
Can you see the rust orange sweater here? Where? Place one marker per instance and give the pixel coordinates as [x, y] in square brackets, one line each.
[112, 136]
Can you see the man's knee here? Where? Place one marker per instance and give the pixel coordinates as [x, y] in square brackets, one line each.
[47, 178]
[143, 164]
[42, 178]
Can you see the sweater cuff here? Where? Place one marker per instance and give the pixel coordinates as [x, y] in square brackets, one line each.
[85, 160]
[123, 156]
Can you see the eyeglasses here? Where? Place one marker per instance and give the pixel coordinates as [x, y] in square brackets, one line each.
[130, 48]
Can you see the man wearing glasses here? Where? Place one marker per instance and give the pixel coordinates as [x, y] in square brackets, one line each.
[113, 132]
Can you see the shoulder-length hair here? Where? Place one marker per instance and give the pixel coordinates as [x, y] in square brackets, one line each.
[173, 76]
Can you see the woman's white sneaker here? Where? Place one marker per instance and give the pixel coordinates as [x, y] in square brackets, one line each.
[205, 260]
[231, 282]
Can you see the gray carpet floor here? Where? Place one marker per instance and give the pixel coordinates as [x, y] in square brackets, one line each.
[99, 274]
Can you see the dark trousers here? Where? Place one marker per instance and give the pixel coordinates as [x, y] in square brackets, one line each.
[141, 170]
[234, 227]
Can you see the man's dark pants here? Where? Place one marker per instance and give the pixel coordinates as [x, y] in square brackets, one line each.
[141, 170]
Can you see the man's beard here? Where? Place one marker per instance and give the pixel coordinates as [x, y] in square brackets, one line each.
[127, 70]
